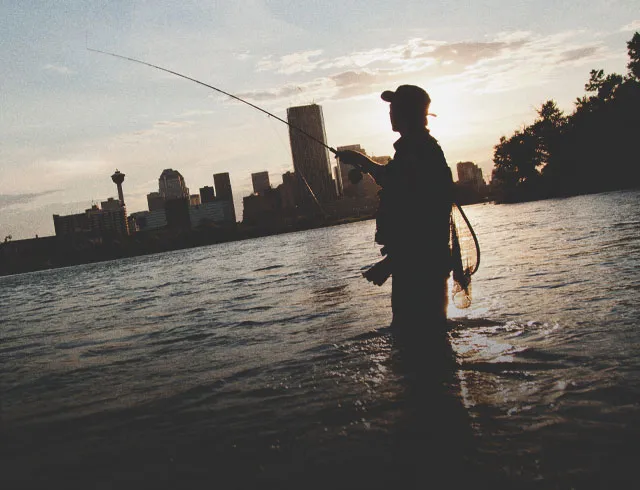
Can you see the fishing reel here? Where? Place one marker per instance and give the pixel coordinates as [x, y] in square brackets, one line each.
[355, 175]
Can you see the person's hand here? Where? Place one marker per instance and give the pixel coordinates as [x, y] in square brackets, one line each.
[354, 158]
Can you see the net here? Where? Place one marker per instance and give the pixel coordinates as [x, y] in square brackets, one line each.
[465, 256]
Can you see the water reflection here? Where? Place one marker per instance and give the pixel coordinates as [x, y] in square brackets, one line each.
[244, 361]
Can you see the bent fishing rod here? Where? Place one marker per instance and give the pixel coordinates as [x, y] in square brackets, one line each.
[313, 138]
[332, 150]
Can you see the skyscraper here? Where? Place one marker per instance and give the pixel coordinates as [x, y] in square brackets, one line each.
[207, 194]
[155, 201]
[310, 159]
[175, 193]
[222, 183]
[172, 185]
[260, 182]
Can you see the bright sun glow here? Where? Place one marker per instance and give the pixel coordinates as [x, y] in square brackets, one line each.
[375, 131]
[450, 112]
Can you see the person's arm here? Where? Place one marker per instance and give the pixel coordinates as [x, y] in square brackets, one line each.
[363, 163]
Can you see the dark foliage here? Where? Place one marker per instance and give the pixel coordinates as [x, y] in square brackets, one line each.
[593, 149]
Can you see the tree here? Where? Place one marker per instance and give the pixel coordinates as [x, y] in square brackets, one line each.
[516, 161]
[633, 47]
[547, 129]
[593, 149]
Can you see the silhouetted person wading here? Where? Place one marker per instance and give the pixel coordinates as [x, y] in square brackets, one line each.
[413, 216]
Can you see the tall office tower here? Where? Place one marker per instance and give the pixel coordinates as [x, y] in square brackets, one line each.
[172, 185]
[207, 194]
[118, 179]
[222, 183]
[155, 201]
[310, 159]
[260, 182]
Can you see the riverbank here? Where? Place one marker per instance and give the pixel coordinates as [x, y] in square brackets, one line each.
[52, 252]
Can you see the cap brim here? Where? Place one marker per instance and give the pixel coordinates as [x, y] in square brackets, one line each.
[387, 95]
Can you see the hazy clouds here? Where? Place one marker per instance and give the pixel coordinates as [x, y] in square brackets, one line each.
[474, 65]
[9, 200]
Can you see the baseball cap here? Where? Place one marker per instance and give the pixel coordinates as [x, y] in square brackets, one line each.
[407, 96]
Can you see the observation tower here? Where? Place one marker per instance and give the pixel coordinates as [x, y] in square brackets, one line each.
[118, 179]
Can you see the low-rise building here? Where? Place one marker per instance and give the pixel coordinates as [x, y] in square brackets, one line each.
[209, 212]
[94, 221]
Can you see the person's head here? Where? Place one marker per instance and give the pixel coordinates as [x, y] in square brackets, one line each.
[409, 106]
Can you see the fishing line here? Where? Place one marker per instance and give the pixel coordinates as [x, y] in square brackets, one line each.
[473, 235]
[313, 138]
[464, 250]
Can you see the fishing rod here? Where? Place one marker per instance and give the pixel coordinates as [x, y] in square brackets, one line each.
[313, 138]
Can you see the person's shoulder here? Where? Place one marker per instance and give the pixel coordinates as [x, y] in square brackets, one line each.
[430, 149]
[429, 141]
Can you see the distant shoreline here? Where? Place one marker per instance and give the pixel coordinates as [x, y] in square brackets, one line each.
[52, 252]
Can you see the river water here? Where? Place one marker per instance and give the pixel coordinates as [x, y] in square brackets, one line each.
[270, 361]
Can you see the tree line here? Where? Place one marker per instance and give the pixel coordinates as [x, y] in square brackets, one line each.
[593, 149]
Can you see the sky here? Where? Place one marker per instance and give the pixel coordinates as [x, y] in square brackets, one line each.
[70, 117]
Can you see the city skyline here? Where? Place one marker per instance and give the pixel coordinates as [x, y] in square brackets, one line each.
[69, 116]
[172, 185]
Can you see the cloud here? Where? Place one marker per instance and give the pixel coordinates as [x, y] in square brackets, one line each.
[157, 129]
[338, 86]
[468, 53]
[372, 58]
[508, 61]
[425, 52]
[9, 200]
[63, 70]
[285, 91]
[527, 61]
[291, 63]
[350, 78]
[364, 72]
[195, 113]
[172, 124]
[352, 83]
[242, 55]
[632, 26]
[578, 53]
[72, 167]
